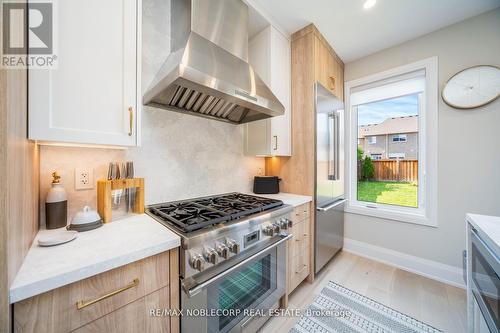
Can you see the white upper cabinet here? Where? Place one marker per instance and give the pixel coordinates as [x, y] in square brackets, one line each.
[269, 55]
[93, 96]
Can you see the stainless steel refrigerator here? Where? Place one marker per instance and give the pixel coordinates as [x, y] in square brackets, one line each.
[330, 200]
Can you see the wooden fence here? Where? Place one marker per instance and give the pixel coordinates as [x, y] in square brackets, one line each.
[396, 170]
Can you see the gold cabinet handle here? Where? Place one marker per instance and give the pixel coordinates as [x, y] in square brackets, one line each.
[332, 82]
[131, 118]
[82, 304]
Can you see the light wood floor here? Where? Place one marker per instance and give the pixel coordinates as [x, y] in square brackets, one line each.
[432, 302]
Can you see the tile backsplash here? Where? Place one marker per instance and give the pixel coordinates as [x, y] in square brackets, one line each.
[180, 157]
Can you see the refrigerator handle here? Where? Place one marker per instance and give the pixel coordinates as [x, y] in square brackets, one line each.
[335, 204]
[337, 146]
[332, 171]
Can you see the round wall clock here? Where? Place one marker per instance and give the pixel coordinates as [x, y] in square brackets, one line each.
[473, 87]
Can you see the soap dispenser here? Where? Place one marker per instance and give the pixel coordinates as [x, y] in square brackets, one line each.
[56, 204]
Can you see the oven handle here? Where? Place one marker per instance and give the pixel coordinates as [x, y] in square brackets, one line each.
[192, 292]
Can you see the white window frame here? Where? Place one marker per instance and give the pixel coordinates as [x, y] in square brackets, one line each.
[371, 140]
[426, 213]
[399, 136]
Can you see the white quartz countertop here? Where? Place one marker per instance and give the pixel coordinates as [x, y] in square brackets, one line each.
[488, 226]
[93, 252]
[288, 198]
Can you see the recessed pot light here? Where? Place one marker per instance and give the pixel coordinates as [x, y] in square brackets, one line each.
[369, 4]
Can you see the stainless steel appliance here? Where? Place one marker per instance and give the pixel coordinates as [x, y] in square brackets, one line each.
[329, 221]
[485, 279]
[232, 259]
[207, 72]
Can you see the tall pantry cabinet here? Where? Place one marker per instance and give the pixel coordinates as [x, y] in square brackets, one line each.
[313, 60]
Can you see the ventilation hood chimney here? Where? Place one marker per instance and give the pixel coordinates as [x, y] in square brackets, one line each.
[207, 72]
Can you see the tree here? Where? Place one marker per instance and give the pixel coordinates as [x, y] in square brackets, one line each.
[368, 168]
[360, 163]
[360, 153]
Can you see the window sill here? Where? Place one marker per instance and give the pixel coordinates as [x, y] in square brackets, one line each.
[389, 214]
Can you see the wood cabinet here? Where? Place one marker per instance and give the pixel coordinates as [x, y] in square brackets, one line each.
[93, 96]
[328, 68]
[299, 247]
[269, 55]
[313, 60]
[115, 301]
[134, 317]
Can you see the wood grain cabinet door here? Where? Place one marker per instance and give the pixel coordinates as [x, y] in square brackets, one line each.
[329, 71]
[70, 307]
[134, 317]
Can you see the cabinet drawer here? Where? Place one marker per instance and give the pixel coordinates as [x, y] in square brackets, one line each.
[134, 317]
[299, 270]
[298, 255]
[297, 230]
[302, 212]
[57, 311]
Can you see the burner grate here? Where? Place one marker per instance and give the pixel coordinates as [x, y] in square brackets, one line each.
[191, 215]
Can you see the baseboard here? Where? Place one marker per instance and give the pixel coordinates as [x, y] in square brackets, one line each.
[431, 269]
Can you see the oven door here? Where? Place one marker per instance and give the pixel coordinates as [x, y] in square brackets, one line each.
[251, 283]
[485, 280]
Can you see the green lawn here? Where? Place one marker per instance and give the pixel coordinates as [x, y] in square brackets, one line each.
[401, 194]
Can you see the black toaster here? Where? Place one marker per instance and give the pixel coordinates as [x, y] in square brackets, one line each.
[266, 185]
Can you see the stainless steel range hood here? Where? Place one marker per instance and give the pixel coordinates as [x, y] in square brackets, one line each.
[207, 72]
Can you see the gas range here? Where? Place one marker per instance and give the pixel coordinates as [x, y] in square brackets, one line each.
[219, 228]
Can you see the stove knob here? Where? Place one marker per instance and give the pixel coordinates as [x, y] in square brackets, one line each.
[233, 246]
[211, 255]
[196, 261]
[290, 223]
[268, 231]
[223, 251]
[277, 228]
[284, 224]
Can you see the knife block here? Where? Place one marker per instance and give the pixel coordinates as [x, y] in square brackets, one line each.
[104, 196]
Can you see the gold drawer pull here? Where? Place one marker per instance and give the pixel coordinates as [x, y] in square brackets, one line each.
[131, 119]
[82, 304]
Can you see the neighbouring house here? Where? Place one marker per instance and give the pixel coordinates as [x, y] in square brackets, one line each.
[394, 138]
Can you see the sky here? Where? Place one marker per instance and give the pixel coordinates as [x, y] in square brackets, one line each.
[377, 112]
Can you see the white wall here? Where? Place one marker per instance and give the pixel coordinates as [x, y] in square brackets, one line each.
[180, 157]
[469, 144]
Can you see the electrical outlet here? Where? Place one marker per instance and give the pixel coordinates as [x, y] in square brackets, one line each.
[84, 179]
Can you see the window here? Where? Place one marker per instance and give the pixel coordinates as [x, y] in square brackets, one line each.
[403, 185]
[397, 156]
[399, 138]
[372, 140]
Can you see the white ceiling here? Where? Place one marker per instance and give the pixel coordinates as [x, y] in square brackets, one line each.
[355, 32]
